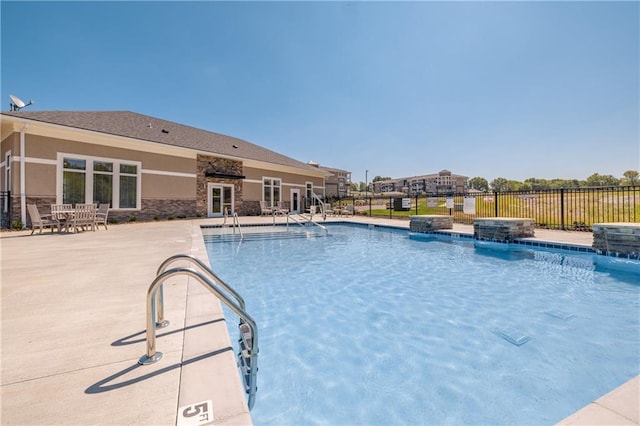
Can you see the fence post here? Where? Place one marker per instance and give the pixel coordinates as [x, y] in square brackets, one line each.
[417, 199]
[495, 204]
[562, 209]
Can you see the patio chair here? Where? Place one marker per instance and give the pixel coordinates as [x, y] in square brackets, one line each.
[84, 217]
[264, 209]
[281, 209]
[348, 210]
[63, 213]
[41, 221]
[57, 208]
[328, 210]
[101, 215]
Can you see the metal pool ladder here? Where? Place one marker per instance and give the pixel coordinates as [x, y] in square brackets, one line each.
[248, 340]
[235, 222]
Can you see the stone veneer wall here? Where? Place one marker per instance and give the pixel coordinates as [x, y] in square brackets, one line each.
[428, 223]
[158, 210]
[206, 163]
[503, 229]
[622, 239]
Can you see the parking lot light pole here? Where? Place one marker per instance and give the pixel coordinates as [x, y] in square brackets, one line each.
[366, 183]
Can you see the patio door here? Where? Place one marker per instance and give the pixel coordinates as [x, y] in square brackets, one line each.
[220, 197]
[295, 201]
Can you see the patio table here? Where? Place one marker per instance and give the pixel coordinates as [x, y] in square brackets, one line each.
[65, 217]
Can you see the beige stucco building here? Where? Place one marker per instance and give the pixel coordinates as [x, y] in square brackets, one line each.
[146, 168]
[337, 184]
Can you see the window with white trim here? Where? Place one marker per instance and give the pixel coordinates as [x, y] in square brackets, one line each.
[129, 186]
[271, 191]
[100, 180]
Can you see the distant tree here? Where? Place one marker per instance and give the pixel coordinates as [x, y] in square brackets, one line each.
[537, 184]
[514, 185]
[631, 177]
[525, 187]
[561, 183]
[362, 186]
[479, 183]
[602, 180]
[499, 184]
[353, 186]
[378, 178]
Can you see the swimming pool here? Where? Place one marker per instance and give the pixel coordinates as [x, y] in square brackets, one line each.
[369, 326]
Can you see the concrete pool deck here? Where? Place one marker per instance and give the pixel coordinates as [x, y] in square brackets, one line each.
[73, 322]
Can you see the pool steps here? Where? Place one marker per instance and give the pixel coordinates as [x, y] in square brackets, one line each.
[256, 233]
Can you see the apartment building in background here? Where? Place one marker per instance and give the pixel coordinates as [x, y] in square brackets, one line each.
[443, 182]
[337, 184]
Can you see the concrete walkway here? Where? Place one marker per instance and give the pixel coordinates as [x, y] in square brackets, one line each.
[73, 329]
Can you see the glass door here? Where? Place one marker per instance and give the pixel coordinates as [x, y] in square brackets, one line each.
[220, 200]
[295, 201]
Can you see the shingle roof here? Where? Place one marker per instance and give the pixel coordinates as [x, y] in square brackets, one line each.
[138, 126]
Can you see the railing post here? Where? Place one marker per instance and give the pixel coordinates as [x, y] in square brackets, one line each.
[495, 203]
[562, 209]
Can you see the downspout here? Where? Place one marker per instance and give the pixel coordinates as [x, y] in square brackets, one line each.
[23, 195]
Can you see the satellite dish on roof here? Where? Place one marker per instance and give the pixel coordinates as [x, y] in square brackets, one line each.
[17, 104]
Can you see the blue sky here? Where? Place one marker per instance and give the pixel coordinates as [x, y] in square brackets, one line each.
[490, 89]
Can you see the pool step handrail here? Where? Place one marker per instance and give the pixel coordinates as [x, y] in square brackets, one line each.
[324, 228]
[293, 217]
[306, 221]
[160, 320]
[236, 223]
[323, 211]
[248, 353]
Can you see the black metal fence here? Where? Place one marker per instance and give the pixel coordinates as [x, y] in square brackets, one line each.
[5, 209]
[566, 209]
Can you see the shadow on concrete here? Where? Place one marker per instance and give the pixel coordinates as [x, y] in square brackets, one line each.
[125, 340]
[104, 386]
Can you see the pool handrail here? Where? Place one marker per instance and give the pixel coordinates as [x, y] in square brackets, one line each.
[152, 355]
[307, 220]
[236, 223]
[292, 217]
[160, 321]
[323, 212]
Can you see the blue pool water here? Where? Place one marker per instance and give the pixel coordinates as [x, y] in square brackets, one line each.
[371, 327]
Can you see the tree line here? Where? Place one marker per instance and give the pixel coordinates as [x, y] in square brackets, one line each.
[500, 184]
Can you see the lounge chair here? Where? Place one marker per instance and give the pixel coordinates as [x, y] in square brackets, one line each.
[41, 221]
[102, 213]
[264, 209]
